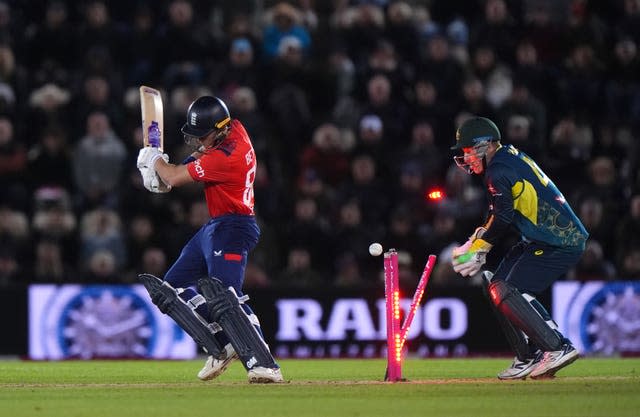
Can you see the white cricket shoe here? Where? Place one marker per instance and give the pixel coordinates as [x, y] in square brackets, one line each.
[262, 375]
[214, 367]
[520, 369]
[555, 360]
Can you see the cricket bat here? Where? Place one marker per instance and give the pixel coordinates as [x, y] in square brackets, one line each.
[152, 117]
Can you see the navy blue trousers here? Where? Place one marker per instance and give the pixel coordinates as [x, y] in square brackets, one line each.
[532, 267]
[218, 250]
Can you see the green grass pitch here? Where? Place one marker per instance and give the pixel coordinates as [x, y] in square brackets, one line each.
[435, 387]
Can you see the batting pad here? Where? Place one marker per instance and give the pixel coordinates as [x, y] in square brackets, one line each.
[224, 308]
[514, 306]
[166, 298]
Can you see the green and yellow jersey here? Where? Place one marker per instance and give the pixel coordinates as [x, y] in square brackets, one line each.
[522, 195]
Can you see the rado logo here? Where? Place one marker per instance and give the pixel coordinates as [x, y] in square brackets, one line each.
[306, 319]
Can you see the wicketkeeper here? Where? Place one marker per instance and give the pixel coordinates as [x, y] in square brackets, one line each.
[214, 260]
[553, 239]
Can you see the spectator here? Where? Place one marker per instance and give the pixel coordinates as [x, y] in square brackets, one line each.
[498, 27]
[13, 164]
[439, 65]
[101, 268]
[629, 268]
[325, 155]
[494, 74]
[49, 161]
[350, 235]
[185, 41]
[526, 120]
[53, 219]
[49, 264]
[240, 69]
[101, 233]
[10, 268]
[299, 271]
[569, 150]
[401, 30]
[365, 187]
[284, 28]
[348, 273]
[98, 162]
[306, 222]
[627, 233]
[593, 266]
[15, 232]
[48, 106]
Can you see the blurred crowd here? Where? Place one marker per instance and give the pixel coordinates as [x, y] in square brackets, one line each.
[352, 106]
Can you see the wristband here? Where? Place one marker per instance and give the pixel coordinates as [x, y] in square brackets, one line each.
[188, 159]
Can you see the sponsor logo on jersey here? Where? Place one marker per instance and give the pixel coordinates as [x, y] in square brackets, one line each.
[199, 169]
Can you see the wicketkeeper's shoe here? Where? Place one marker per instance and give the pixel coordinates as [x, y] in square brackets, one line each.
[214, 367]
[555, 360]
[520, 369]
[262, 375]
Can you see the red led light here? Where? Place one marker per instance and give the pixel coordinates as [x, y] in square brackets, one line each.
[435, 194]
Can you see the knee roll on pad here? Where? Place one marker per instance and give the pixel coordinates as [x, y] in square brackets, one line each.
[166, 298]
[224, 308]
[522, 314]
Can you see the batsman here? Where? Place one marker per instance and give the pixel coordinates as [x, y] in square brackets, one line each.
[202, 290]
[522, 197]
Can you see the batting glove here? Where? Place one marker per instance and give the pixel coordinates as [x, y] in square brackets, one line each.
[152, 181]
[148, 156]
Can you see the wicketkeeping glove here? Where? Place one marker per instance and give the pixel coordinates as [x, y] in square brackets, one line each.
[467, 260]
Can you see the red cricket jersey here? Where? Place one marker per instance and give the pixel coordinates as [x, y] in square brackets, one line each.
[228, 173]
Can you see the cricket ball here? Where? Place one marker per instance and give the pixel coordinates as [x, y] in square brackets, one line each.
[375, 249]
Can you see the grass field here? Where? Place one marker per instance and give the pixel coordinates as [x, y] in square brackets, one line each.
[436, 387]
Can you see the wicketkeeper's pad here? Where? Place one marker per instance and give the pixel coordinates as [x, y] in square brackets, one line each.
[520, 311]
[515, 337]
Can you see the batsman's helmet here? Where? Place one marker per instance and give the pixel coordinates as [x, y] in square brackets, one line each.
[205, 115]
[474, 131]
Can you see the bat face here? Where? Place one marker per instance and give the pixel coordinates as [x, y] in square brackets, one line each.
[152, 117]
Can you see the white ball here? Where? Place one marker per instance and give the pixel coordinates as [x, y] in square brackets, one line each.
[375, 249]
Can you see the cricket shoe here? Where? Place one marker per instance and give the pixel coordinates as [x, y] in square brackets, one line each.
[520, 369]
[214, 367]
[262, 375]
[555, 360]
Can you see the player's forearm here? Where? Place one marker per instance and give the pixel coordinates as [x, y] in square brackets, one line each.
[173, 175]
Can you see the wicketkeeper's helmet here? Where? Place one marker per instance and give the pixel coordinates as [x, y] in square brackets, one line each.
[474, 134]
[205, 115]
[474, 131]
